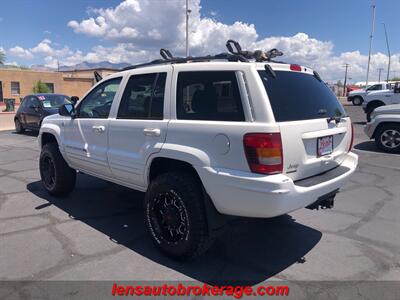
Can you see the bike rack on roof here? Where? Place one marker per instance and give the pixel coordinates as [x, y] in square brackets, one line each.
[236, 54]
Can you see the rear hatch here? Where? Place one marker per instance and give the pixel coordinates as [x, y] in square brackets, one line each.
[315, 130]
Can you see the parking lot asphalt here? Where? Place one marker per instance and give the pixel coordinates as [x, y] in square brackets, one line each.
[98, 232]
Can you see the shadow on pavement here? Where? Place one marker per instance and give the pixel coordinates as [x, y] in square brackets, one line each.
[249, 252]
[368, 146]
[27, 133]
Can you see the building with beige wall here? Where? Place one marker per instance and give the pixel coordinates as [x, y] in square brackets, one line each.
[17, 83]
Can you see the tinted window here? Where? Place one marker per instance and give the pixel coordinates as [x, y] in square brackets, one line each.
[299, 96]
[209, 95]
[98, 103]
[34, 102]
[143, 97]
[53, 101]
[376, 87]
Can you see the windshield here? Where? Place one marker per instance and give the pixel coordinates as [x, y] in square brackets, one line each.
[54, 101]
[298, 96]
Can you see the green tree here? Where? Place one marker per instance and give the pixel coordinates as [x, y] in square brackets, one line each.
[40, 87]
[2, 57]
[395, 79]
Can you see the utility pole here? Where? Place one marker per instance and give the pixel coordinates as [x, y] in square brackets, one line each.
[380, 70]
[388, 49]
[188, 11]
[370, 41]
[345, 79]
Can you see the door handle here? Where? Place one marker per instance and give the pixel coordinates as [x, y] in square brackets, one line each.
[99, 129]
[152, 131]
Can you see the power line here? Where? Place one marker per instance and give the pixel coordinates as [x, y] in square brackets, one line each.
[380, 70]
[388, 49]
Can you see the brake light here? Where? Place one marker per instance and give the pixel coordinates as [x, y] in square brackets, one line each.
[264, 152]
[295, 68]
[352, 137]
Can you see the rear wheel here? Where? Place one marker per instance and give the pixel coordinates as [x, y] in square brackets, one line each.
[18, 126]
[357, 101]
[387, 138]
[175, 215]
[57, 177]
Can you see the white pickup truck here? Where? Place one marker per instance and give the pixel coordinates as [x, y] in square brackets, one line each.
[205, 138]
[357, 97]
[380, 98]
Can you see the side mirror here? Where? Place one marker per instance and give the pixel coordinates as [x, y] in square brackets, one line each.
[74, 99]
[67, 110]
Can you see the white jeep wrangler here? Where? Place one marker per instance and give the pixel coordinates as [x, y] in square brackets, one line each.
[205, 137]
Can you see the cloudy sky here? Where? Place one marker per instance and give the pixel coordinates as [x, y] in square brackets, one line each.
[321, 34]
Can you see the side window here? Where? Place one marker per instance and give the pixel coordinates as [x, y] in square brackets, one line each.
[209, 95]
[26, 103]
[143, 97]
[98, 103]
[34, 102]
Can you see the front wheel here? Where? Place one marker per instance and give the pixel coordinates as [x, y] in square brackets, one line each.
[357, 101]
[57, 177]
[387, 138]
[176, 217]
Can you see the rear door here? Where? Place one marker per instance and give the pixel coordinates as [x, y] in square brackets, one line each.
[315, 130]
[33, 112]
[140, 126]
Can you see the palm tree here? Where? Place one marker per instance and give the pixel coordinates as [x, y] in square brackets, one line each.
[2, 57]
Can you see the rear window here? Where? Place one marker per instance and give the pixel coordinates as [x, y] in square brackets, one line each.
[53, 101]
[298, 96]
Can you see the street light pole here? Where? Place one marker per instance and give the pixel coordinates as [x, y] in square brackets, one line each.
[188, 11]
[370, 40]
[345, 79]
[388, 49]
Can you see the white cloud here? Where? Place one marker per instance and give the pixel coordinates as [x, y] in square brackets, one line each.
[137, 29]
[141, 27]
[47, 32]
[20, 52]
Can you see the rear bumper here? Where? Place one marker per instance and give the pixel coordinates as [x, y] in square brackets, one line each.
[253, 195]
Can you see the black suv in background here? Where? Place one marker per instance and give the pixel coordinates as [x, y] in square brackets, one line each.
[35, 107]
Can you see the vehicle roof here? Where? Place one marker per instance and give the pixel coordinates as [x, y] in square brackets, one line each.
[200, 66]
[46, 94]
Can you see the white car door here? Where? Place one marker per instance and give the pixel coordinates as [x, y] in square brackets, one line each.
[86, 135]
[140, 126]
[395, 98]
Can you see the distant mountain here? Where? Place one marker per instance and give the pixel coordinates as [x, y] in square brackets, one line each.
[82, 66]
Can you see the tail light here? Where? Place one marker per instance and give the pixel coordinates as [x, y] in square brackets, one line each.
[264, 152]
[352, 137]
[295, 68]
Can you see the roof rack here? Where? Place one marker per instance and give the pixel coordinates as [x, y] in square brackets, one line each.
[236, 54]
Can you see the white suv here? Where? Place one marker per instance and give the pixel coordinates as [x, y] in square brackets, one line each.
[205, 138]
